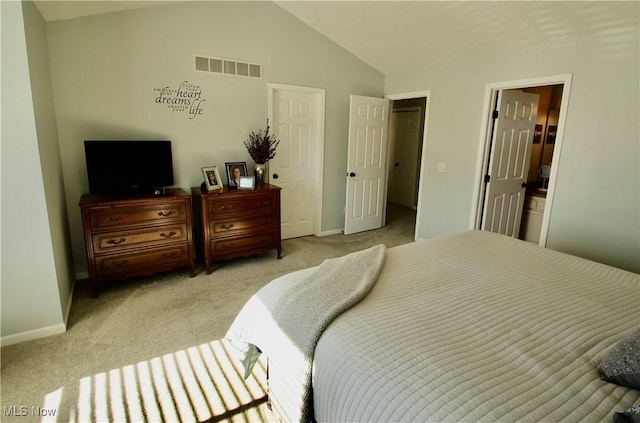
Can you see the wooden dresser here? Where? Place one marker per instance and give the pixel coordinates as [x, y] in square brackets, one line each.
[235, 223]
[135, 235]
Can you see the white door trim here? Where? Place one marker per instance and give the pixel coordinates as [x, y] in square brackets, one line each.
[319, 170]
[423, 159]
[485, 135]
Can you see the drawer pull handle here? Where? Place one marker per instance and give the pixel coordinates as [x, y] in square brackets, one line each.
[169, 235]
[170, 255]
[265, 203]
[227, 226]
[166, 213]
[223, 207]
[116, 241]
[120, 263]
[227, 245]
[114, 219]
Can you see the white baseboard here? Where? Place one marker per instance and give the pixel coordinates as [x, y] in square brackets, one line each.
[41, 332]
[33, 334]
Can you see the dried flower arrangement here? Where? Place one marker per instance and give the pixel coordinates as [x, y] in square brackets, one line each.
[262, 146]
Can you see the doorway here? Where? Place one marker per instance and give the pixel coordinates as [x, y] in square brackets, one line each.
[403, 199]
[545, 157]
[541, 161]
[406, 131]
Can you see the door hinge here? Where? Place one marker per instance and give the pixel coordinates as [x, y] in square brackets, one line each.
[495, 114]
[487, 178]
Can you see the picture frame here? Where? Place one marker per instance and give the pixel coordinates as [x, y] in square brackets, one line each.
[211, 178]
[551, 134]
[247, 182]
[234, 171]
[537, 134]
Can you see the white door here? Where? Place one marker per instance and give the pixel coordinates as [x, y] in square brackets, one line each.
[509, 162]
[403, 178]
[296, 121]
[366, 163]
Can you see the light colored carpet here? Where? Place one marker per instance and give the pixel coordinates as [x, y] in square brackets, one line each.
[151, 349]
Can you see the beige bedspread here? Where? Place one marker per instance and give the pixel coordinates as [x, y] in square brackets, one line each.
[478, 327]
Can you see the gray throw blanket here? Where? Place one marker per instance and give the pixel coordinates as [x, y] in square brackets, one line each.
[296, 321]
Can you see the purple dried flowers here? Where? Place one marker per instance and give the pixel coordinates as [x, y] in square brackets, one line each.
[262, 146]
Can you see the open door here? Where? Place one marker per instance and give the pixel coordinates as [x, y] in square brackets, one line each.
[366, 164]
[509, 162]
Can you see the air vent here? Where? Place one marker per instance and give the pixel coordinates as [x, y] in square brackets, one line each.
[226, 66]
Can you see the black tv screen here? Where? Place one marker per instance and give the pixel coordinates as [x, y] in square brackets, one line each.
[120, 167]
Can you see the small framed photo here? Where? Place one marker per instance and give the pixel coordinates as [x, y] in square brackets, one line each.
[551, 134]
[234, 171]
[211, 178]
[247, 182]
[537, 134]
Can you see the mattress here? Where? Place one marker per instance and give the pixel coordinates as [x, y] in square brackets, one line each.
[478, 327]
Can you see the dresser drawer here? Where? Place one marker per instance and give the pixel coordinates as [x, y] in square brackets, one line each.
[110, 241]
[251, 204]
[229, 226]
[222, 246]
[118, 217]
[152, 260]
[136, 234]
[235, 223]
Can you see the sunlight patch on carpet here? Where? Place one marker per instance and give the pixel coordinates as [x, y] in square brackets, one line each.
[199, 384]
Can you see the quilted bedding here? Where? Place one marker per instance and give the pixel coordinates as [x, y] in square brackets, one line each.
[473, 327]
[478, 327]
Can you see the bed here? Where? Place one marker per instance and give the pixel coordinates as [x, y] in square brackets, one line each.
[475, 327]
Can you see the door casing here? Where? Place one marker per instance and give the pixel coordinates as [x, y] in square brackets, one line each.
[485, 139]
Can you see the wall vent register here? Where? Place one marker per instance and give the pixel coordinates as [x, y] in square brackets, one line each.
[226, 66]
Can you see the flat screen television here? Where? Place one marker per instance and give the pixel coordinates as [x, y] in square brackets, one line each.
[122, 167]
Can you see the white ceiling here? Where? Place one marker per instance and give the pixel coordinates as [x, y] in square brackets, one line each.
[393, 36]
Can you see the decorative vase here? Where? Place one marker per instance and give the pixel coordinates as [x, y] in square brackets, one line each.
[259, 172]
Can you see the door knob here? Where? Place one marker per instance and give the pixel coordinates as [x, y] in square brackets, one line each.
[524, 185]
[351, 174]
[275, 176]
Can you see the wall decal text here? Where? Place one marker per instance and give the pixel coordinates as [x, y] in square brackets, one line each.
[186, 98]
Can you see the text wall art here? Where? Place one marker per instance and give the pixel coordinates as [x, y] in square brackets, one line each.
[186, 98]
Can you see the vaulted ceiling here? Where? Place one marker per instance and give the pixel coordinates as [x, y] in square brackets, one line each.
[394, 36]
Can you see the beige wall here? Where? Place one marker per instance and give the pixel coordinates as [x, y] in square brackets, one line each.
[596, 210]
[105, 70]
[36, 273]
[49, 150]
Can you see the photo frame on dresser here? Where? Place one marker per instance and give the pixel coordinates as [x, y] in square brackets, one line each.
[247, 182]
[211, 178]
[235, 170]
